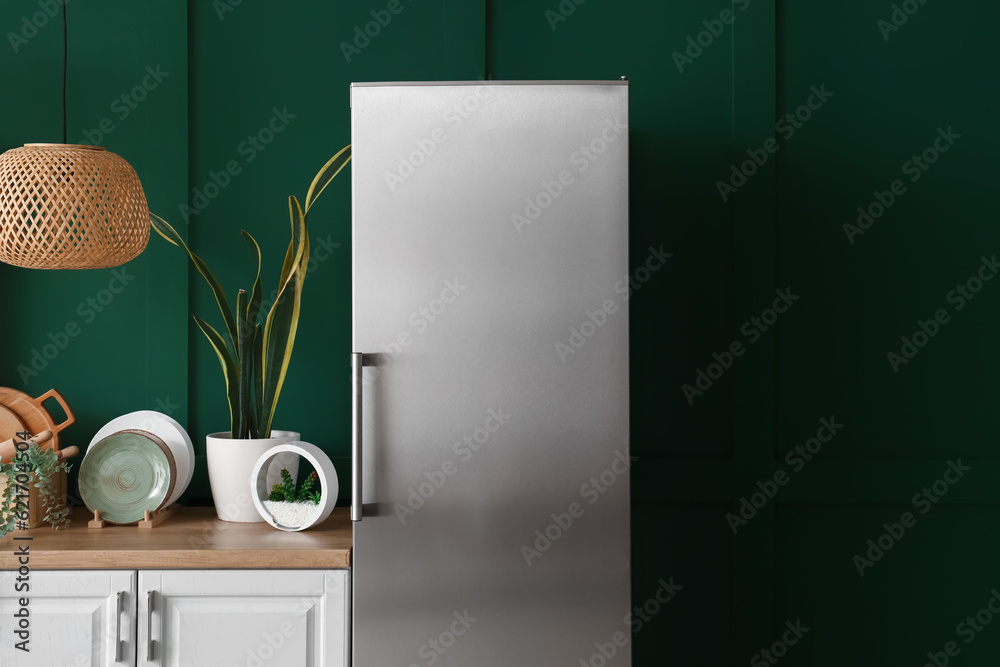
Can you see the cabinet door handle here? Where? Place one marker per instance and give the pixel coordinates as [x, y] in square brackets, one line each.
[149, 626]
[118, 630]
[357, 364]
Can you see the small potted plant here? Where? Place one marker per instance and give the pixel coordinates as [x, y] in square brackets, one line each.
[255, 356]
[33, 468]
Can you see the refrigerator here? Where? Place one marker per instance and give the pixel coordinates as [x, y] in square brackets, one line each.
[490, 374]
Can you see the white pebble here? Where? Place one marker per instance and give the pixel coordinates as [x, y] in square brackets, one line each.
[292, 515]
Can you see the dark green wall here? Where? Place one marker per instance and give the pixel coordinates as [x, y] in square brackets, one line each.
[825, 358]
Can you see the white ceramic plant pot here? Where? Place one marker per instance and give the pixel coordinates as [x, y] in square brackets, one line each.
[230, 463]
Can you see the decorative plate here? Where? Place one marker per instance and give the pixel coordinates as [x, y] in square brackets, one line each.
[166, 429]
[126, 474]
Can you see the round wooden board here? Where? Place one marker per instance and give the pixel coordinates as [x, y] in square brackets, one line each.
[10, 424]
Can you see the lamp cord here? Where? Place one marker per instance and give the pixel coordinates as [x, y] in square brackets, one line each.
[65, 66]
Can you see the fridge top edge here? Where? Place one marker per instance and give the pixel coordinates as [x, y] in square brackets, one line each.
[482, 82]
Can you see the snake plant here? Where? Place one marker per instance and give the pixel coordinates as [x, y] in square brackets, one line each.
[255, 359]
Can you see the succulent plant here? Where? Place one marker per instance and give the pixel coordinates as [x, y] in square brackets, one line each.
[285, 492]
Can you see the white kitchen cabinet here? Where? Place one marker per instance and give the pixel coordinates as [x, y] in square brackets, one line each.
[180, 618]
[78, 618]
[245, 618]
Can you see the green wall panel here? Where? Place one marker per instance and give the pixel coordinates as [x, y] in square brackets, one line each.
[912, 600]
[860, 298]
[684, 560]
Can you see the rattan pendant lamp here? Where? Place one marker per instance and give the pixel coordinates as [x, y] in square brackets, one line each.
[67, 206]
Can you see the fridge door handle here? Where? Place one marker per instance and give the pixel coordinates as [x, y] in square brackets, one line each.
[357, 366]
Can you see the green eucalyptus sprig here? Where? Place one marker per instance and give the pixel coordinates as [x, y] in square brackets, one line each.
[45, 465]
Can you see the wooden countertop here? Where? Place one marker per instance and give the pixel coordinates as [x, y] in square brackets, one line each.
[193, 538]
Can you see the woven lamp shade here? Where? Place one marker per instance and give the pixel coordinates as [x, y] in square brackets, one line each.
[65, 206]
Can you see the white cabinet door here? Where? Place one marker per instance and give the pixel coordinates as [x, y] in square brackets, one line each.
[245, 618]
[75, 618]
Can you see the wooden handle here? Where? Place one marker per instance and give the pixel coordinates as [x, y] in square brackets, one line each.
[69, 452]
[52, 393]
[9, 449]
[41, 437]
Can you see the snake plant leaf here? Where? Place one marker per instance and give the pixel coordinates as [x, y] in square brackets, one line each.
[293, 256]
[229, 368]
[286, 265]
[245, 358]
[253, 307]
[258, 378]
[163, 228]
[283, 320]
[327, 174]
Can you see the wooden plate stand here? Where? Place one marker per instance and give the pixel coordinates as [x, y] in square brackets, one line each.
[151, 520]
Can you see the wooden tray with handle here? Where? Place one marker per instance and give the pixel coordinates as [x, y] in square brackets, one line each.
[31, 414]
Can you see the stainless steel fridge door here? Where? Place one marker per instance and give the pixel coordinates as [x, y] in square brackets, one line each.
[490, 251]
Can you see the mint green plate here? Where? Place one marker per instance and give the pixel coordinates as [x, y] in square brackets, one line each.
[126, 474]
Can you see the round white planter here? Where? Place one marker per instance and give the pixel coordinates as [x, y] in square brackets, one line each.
[230, 463]
[321, 463]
